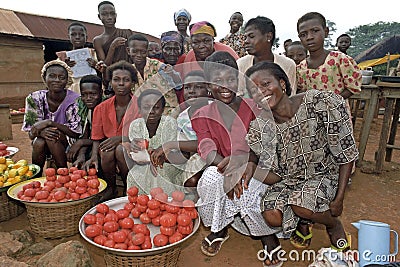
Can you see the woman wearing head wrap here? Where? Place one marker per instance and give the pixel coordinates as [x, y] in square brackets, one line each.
[202, 36]
[182, 19]
[51, 117]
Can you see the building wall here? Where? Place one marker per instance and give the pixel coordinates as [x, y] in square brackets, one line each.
[21, 59]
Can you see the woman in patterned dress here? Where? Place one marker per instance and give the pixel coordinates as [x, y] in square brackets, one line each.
[313, 155]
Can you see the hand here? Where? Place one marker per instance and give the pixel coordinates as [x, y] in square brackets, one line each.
[93, 162]
[248, 174]
[73, 151]
[231, 164]
[231, 188]
[138, 144]
[110, 143]
[157, 157]
[70, 62]
[80, 161]
[336, 207]
[100, 66]
[41, 125]
[51, 134]
[92, 63]
[119, 41]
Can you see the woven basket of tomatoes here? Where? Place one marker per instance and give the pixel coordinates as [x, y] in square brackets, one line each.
[55, 203]
[141, 230]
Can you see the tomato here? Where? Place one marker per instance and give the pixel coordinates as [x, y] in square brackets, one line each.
[30, 192]
[137, 239]
[92, 191]
[3, 146]
[153, 204]
[162, 197]
[141, 208]
[42, 194]
[168, 220]
[109, 243]
[121, 246]
[36, 184]
[92, 171]
[175, 238]
[126, 223]
[160, 240]
[141, 228]
[186, 230]
[20, 194]
[93, 230]
[135, 213]
[59, 195]
[63, 179]
[132, 199]
[92, 177]
[27, 186]
[75, 177]
[183, 219]
[193, 214]
[58, 184]
[100, 218]
[111, 217]
[146, 245]
[80, 189]
[62, 171]
[132, 191]
[172, 208]
[156, 221]
[133, 247]
[94, 183]
[155, 191]
[100, 239]
[102, 208]
[120, 236]
[122, 213]
[90, 219]
[75, 196]
[142, 200]
[144, 218]
[188, 204]
[178, 196]
[162, 206]
[81, 182]
[50, 172]
[129, 206]
[72, 169]
[153, 213]
[168, 231]
[110, 226]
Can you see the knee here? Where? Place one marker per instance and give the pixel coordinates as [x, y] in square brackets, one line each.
[119, 152]
[302, 212]
[191, 182]
[273, 218]
[38, 144]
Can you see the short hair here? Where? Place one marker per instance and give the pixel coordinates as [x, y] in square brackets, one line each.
[195, 73]
[297, 43]
[224, 59]
[77, 23]
[104, 3]
[123, 65]
[287, 41]
[274, 69]
[151, 92]
[342, 35]
[263, 24]
[237, 12]
[312, 15]
[92, 79]
[138, 37]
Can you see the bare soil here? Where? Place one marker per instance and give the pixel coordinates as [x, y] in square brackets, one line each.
[370, 196]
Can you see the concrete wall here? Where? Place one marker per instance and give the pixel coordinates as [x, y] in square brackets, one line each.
[21, 60]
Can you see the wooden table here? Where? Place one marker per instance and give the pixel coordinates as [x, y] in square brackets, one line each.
[391, 93]
[370, 94]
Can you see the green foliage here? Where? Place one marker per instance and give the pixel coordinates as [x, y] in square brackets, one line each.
[365, 36]
[328, 43]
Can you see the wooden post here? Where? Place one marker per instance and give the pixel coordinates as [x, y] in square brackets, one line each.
[6, 124]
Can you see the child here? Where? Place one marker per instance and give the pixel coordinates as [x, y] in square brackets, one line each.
[77, 34]
[296, 51]
[157, 129]
[343, 42]
[323, 69]
[51, 119]
[154, 50]
[110, 123]
[91, 96]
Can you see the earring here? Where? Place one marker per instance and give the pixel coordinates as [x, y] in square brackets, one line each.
[269, 40]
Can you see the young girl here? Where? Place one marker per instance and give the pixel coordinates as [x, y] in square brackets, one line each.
[156, 129]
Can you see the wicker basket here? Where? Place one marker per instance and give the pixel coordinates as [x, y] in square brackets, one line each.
[9, 208]
[57, 220]
[168, 258]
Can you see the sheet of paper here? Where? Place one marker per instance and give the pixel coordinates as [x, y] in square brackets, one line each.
[81, 67]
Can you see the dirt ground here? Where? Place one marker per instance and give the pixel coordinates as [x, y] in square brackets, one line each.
[370, 197]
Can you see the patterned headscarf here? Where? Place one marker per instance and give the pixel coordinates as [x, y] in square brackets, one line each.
[183, 12]
[202, 27]
[59, 63]
[172, 36]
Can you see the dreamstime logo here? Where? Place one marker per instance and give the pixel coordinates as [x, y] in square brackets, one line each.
[341, 243]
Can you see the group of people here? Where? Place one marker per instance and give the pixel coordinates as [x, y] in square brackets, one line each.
[263, 143]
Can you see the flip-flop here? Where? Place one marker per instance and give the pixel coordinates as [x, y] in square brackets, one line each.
[346, 243]
[272, 252]
[304, 243]
[217, 246]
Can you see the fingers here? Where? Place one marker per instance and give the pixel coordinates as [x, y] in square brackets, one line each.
[222, 165]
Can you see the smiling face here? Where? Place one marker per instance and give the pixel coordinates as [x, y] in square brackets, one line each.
[182, 23]
[312, 34]
[151, 108]
[195, 87]
[91, 94]
[56, 78]
[266, 90]
[256, 43]
[236, 21]
[224, 84]
[107, 15]
[77, 36]
[121, 82]
[138, 51]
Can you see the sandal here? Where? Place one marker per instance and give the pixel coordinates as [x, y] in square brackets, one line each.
[268, 255]
[305, 240]
[342, 244]
[216, 244]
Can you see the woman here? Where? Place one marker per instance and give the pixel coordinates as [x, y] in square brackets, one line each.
[182, 19]
[235, 38]
[221, 128]
[51, 117]
[314, 153]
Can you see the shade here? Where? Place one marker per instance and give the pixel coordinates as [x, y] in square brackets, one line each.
[377, 61]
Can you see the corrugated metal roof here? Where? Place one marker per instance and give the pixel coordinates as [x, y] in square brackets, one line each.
[11, 24]
[43, 27]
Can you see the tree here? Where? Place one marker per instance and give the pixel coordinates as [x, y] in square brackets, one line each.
[365, 36]
[332, 29]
